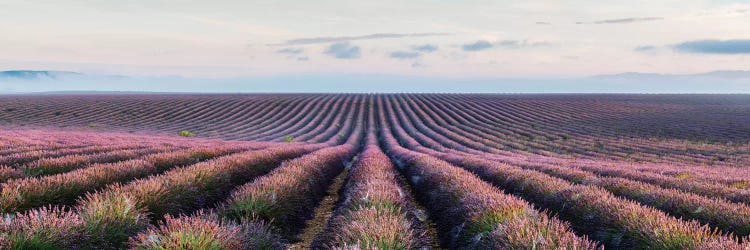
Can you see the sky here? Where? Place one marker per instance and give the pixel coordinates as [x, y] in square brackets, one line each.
[446, 39]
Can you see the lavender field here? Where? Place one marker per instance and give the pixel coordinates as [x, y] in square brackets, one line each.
[374, 171]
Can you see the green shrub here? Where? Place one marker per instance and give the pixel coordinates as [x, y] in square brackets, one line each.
[288, 139]
[186, 133]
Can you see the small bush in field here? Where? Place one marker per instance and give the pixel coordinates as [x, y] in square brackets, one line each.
[288, 139]
[92, 125]
[186, 133]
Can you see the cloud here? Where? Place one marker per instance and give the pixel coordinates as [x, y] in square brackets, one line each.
[330, 39]
[508, 44]
[303, 58]
[513, 44]
[343, 51]
[624, 20]
[418, 65]
[291, 51]
[477, 46]
[404, 54]
[629, 20]
[416, 51]
[714, 47]
[427, 48]
[543, 23]
[645, 48]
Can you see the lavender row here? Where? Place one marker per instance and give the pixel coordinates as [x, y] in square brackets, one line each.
[283, 199]
[19, 159]
[613, 221]
[279, 202]
[287, 196]
[63, 189]
[718, 213]
[376, 211]
[701, 188]
[471, 213]
[109, 217]
[51, 166]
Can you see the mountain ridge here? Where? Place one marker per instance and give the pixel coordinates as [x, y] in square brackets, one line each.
[37, 74]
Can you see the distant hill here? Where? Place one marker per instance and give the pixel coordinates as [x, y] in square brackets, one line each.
[736, 74]
[37, 74]
[724, 74]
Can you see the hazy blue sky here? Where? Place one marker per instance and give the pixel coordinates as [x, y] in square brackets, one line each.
[451, 38]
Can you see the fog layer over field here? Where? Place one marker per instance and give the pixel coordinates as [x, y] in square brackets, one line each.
[713, 82]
